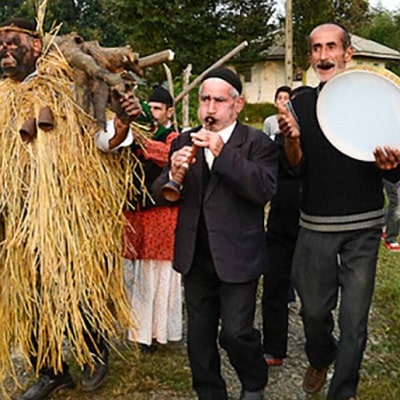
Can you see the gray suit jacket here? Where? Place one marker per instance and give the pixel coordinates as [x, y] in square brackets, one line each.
[242, 181]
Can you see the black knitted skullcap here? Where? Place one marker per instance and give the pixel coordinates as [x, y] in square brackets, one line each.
[227, 75]
[20, 25]
[161, 95]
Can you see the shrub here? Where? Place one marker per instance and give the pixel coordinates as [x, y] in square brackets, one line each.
[256, 113]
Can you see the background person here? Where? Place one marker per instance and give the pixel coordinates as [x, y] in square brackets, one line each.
[219, 240]
[156, 292]
[271, 126]
[392, 217]
[340, 227]
[281, 236]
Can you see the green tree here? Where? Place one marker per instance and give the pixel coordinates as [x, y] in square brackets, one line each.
[247, 20]
[13, 8]
[90, 18]
[353, 14]
[306, 15]
[198, 32]
[384, 28]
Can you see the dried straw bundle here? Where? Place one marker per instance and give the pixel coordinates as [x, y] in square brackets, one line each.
[61, 211]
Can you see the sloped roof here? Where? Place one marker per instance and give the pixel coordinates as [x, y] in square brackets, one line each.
[369, 48]
[277, 49]
[362, 48]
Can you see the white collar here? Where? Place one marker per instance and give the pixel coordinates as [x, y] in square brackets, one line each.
[224, 134]
[227, 132]
[30, 76]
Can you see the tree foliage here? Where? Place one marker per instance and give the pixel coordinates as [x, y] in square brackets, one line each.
[16, 8]
[353, 14]
[198, 32]
[306, 15]
[384, 28]
[248, 20]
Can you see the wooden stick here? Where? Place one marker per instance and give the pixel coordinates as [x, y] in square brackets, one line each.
[168, 73]
[185, 101]
[74, 52]
[112, 59]
[217, 64]
[156, 58]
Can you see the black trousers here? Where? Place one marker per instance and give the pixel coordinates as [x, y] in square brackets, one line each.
[276, 284]
[95, 342]
[91, 335]
[225, 310]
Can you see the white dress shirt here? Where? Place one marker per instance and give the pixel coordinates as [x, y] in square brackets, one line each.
[225, 134]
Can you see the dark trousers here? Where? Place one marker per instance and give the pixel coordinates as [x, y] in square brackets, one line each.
[94, 341]
[276, 285]
[210, 301]
[392, 218]
[324, 266]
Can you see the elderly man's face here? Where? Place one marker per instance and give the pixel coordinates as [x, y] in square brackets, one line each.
[216, 102]
[18, 54]
[327, 55]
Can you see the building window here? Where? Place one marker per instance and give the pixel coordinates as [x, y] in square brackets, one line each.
[247, 75]
[298, 74]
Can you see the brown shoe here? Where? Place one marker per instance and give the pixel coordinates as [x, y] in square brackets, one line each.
[314, 380]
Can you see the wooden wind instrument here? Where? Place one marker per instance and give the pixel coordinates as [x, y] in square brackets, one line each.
[171, 191]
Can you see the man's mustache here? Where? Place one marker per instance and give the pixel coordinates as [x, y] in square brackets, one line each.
[325, 65]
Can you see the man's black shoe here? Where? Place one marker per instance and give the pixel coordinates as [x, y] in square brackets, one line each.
[93, 377]
[247, 395]
[147, 349]
[48, 385]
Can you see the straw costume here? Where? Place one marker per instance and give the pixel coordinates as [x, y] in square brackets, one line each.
[61, 204]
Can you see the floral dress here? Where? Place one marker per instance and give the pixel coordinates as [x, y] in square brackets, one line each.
[154, 287]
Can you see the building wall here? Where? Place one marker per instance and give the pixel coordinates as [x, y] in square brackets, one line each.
[267, 76]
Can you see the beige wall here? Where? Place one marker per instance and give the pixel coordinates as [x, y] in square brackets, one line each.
[266, 77]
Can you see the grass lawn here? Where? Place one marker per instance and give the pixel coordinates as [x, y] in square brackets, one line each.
[380, 378]
[165, 375]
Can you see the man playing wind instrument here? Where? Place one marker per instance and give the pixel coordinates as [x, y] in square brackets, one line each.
[60, 206]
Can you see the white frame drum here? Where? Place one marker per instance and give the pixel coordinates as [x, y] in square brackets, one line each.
[359, 109]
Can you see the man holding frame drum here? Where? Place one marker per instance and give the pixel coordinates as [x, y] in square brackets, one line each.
[340, 227]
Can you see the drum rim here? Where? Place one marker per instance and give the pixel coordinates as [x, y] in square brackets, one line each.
[335, 139]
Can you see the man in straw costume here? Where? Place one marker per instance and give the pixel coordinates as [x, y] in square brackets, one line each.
[61, 218]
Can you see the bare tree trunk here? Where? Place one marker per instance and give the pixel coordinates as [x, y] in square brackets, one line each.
[288, 45]
[185, 101]
[171, 91]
